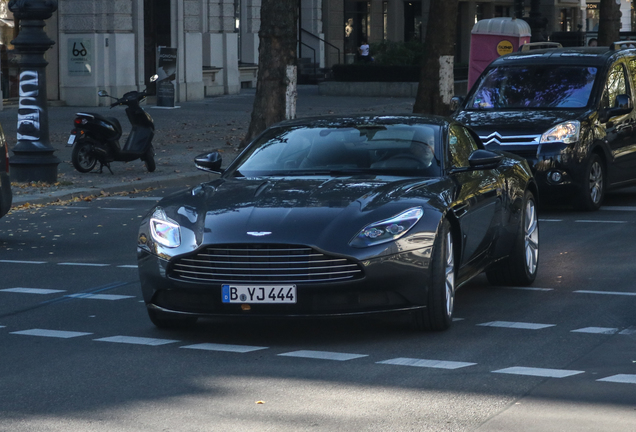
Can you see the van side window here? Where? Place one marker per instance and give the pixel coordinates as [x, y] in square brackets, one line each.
[461, 145]
[616, 84]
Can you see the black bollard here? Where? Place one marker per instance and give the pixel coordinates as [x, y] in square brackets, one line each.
[33, 158]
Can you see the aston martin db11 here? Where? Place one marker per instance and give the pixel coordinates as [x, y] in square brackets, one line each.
[342, 216]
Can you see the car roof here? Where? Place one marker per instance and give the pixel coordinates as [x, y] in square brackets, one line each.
[586, 56]
[337, 121]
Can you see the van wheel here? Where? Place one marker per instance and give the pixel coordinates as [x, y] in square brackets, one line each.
[593, 187]
[149, 159]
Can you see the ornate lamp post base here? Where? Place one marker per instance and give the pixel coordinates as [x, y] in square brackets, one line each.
[33, 160]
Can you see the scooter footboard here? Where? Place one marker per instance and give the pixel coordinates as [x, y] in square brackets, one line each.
[138, 140]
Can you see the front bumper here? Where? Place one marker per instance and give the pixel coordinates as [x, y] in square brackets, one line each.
[391, 283]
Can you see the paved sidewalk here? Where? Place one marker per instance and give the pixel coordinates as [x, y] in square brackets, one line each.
[217, 123]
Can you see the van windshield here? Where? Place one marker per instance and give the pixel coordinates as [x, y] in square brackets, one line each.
[542, 86]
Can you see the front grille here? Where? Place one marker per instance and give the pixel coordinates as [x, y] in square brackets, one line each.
[507, 140]
[263, 264]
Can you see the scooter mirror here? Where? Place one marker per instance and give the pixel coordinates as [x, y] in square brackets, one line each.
[154, 78]
[102, 93]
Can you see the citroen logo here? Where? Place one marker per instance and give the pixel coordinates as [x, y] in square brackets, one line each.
[258, 233]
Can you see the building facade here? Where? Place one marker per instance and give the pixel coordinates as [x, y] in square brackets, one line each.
[112, 45]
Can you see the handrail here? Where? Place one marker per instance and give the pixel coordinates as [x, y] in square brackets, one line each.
[321, 39]
[311, 48]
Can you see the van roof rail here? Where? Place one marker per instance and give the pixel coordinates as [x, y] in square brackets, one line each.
[539, 45]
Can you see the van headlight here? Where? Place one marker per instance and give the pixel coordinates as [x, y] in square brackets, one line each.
[566, 133]
[164, 230]
[388, 229]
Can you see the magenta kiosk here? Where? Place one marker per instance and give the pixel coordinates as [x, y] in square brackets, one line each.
[492, 38]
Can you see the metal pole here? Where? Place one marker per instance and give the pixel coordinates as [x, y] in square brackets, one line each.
[33, 160]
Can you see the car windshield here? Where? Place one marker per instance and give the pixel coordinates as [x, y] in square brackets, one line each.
[408, 150]
[543, 86]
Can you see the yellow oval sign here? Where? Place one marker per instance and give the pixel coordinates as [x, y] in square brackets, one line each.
[504, 47]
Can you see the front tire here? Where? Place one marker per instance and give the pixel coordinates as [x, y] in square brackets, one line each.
[520, 268]
[149, 159]
[82, 157]
[593, 187]
[438, 314]
[170, 322]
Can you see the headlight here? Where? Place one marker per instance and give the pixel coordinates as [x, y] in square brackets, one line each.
[164, 230]
[388, 229]
[566, 133]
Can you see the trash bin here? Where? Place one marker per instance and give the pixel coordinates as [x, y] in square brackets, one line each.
[492, 38]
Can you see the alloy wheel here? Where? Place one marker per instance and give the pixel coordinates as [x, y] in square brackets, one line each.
[596, 182]
[449, 281]
[531, 234]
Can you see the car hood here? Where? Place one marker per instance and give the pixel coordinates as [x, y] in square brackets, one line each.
[325, 211]
[516, 122]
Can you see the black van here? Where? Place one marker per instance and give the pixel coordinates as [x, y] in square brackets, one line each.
[568, 111]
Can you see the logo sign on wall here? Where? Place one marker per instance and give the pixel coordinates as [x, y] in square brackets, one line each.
[504, 47]
[166, 74]
[80, 57]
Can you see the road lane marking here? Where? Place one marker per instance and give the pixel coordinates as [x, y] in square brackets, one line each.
[596, 330]
[51, 333]
[130, 198]
[619, 208]
[32, 290]
[136, 340]
[99, 296]
[620, 378]
[117, 208]
[83, 264]
[539, 372]
[323, 355]
[600, 221]
[436, 364]
[530, 288]
[22, 262]
[606, 292]
[550, 220]
[628, 331]
[224, 347]
[128, 266]
[516, 325]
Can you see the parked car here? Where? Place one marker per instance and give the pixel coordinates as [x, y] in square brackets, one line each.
[568, 111]
[5, 182]
[338, 216]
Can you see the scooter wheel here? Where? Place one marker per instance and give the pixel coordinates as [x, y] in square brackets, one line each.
[149, 159]
[82, 159]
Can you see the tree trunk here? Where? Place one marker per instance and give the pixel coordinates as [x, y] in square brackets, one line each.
[609, 22]
[437, 81]
[276, 54]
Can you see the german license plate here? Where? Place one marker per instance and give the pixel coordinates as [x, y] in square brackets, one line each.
[71, 140]
[231, 293]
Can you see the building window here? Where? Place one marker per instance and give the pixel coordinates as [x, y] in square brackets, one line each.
[385, 19]
[8, 61]
[237, 25]
[503, 11]
[591, 17]
[356, 27]
[565, 20]
[413, 20]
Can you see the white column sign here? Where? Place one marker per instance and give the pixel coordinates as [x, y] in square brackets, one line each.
[79, 57]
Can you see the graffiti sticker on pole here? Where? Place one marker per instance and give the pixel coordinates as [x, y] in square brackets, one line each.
[79, 57]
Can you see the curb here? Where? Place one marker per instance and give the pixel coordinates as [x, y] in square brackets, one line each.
[158, 182]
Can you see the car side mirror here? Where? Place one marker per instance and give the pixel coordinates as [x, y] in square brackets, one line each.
[622, 106]
[484, 159]
[455, 103]
[210, 162]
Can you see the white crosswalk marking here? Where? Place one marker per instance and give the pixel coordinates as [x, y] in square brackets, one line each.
[32, 290]
[224, 347]
[83, 264]
[619, 208]
[437, 364]
[323, 355]
[618, 293]
[128, 266]
[516, 325]
[596, 330]
[620, 378]
[51, 333]
[22, 262]
[539, 372]
[136, 340]
[100, 296]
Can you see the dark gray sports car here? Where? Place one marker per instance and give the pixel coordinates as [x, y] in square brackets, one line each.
[340, 216]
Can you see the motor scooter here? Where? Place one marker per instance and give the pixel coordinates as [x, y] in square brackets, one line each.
[95, 138]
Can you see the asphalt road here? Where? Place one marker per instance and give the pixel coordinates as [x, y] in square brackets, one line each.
[78, 352]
